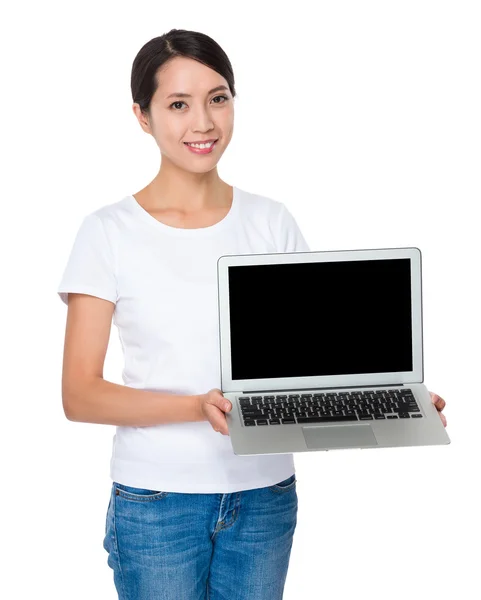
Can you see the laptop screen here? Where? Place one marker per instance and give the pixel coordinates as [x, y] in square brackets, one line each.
[320, 318]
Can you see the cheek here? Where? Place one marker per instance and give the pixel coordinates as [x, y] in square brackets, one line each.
[227, 126]
[169, 139]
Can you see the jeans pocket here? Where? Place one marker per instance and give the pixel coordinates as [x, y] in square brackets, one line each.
[108, 511]
[137, 494]
[284, 486]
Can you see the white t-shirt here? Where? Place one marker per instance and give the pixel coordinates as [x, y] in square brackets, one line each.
[163, 282]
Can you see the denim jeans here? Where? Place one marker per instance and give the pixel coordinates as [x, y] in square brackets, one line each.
[180, 546]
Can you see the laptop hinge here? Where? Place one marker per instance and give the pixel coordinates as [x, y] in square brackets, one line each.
[338, 387]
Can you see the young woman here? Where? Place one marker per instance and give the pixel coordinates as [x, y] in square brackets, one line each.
[187, 518]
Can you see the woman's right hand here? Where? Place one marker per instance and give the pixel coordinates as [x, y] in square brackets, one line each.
[213, 407]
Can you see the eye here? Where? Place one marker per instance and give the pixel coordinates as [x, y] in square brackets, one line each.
[221, 96]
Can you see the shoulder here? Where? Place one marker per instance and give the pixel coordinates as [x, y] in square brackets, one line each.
[278, 222]
[109, 217]
[111, 211]
[260, 204]
[98, 233]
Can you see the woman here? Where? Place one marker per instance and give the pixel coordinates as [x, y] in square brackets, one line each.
[187, 518]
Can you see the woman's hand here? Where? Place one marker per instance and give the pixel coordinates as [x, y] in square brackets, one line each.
[213, 407]
[439, 403]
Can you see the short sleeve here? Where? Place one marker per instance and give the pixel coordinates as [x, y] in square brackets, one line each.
[90, 266]
[289, 236]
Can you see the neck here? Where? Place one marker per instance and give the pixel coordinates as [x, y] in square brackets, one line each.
[186, 191]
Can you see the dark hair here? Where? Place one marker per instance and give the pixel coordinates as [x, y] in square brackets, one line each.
[177, 42]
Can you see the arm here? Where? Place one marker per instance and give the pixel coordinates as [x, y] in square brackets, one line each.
[87, 397]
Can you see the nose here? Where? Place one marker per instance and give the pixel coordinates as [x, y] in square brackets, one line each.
[202, 121]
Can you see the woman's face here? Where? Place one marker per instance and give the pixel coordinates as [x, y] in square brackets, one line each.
[203, 115]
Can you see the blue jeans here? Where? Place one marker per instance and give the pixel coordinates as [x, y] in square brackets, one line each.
[179, 546]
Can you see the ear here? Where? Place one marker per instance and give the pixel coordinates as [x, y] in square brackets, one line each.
[142, 118]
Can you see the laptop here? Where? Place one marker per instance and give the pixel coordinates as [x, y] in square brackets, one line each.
[323, 350]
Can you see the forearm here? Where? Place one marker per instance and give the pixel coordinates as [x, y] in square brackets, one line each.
[108, 403]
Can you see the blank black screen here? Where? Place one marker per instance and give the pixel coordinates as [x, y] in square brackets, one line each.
[324, 318]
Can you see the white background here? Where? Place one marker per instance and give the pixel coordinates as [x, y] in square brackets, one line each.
[364, 119]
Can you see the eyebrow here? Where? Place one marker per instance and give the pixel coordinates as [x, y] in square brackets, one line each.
[183, 95]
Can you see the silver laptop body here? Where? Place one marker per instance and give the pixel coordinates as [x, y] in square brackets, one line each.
[323, 350]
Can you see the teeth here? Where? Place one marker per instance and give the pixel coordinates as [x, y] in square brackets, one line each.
[201, 145]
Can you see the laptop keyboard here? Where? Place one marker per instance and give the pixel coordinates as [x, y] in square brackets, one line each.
[287, 409]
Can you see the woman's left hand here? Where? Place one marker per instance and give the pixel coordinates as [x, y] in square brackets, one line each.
[439, 403]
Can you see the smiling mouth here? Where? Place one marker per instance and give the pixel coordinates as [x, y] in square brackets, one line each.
[211, 143]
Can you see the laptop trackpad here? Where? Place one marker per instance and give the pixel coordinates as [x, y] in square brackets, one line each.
[339, 436]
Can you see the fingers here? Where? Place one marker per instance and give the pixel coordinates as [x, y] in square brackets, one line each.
[220, 422]
[222, 428]
[222, 405]
[438, 402]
